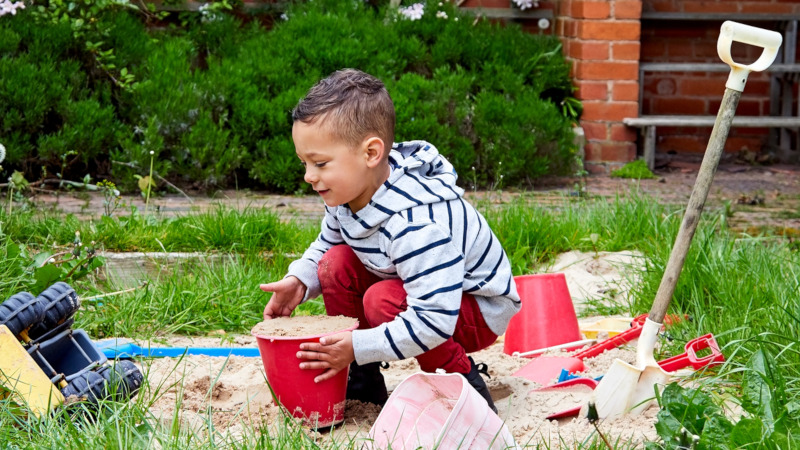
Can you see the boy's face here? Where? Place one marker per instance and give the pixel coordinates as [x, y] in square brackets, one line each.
[337, 171]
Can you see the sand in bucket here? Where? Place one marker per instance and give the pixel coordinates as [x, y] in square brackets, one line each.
[319, 405]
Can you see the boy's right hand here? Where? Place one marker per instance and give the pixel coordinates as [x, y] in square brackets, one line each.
[287, 294]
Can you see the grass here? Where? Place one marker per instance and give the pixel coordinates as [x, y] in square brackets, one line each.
[133, 425]
[221, 229]
[744, 289]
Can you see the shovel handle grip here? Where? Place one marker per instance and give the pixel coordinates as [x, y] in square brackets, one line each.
[769, 41]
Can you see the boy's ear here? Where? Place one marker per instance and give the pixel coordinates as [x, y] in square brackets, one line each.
[375, 151]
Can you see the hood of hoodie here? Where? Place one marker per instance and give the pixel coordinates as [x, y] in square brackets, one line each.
[419, 176]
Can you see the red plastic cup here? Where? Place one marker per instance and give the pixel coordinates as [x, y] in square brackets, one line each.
[319, 405]
[547, 317]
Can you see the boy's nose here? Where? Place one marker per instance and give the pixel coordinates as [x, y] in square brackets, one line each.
[310, 176]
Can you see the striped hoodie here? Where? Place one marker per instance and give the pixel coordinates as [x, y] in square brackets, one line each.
[418, 228]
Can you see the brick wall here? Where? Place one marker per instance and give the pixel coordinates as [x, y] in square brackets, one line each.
[601, 38]
[701, 93]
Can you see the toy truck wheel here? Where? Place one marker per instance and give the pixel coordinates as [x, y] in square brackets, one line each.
[20, 311]
[60, 302]
[124, 379]
[89, 386]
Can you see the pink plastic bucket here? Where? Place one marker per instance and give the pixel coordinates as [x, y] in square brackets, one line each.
[547, 317]
[442, 411]
[319, 405]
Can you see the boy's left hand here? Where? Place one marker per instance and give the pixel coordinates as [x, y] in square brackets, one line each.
[334, 353]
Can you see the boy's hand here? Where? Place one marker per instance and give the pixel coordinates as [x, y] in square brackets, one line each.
[287, 294]
[334, 352]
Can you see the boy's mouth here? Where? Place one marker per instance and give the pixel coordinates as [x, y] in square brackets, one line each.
[323, 191]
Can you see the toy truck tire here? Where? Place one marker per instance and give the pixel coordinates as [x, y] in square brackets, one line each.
[124, 379]
[89, 386]
[20, 311]
[60, 302]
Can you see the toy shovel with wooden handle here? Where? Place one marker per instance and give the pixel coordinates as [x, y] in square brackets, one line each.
[630, 389]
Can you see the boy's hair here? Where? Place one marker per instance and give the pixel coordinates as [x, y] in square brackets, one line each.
[352, 105]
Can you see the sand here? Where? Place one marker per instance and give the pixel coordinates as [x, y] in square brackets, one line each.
[302, 326]
[235, 391]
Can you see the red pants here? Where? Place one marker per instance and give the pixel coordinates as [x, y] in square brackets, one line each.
[349, 289]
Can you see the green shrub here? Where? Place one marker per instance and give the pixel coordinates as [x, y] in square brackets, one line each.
[438, 109]
[9, 41]
[636, 169]
[213, 96]
[89, 129]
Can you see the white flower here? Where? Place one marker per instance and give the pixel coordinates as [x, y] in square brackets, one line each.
[2, 153]
[284, 16]
[413, 12]
[441, 15]
[152, 152]
[6, 7]
[525, 4]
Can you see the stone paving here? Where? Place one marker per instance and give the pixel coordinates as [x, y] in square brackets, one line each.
[766, 189]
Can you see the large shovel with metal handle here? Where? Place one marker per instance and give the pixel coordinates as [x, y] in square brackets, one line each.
[630, 389]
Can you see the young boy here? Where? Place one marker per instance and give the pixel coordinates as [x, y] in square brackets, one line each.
[400, 249]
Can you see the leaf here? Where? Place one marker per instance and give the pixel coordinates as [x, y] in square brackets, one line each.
[144, 182]
[793, 409]
[756, 392]
[96, 263]
[14, 251]
[747, 431]
[45, 276]
[716, 433]
[41, 258]
[667, 426]
[19, 180]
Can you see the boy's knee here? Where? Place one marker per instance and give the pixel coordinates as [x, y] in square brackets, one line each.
[333, 260]
[384, 301]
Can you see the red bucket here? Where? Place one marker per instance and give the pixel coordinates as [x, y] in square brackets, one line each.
[547, 317]
[319, 405]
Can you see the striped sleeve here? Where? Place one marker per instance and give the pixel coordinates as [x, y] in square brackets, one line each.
[305, 268]
[432, 269]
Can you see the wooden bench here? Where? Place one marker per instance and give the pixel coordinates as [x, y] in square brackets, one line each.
[784, 122]
[649, 124]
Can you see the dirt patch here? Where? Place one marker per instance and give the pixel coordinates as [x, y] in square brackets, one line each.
[751, 197]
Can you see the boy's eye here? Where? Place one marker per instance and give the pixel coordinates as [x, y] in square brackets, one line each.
[321, 164]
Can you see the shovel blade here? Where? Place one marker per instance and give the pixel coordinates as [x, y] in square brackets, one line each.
[611, 397]
[652, 377]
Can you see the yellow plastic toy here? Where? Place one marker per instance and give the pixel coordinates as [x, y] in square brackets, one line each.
[612, 325]
[22, 380]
